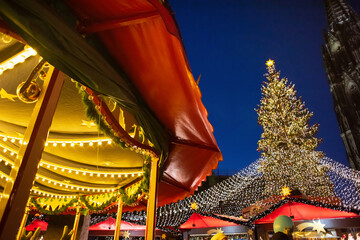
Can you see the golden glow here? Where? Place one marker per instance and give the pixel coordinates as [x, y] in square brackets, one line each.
[16, 59]
[285, 191]
[194, 206]
[270, 62]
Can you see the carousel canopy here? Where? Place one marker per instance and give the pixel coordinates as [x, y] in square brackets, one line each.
[138, 100]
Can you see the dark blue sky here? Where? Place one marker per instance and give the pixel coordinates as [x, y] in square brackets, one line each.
[228, 43]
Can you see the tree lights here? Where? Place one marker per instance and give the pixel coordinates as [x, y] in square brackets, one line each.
[288, 143]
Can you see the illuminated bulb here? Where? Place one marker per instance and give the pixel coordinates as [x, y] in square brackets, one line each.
[63, 144]
[48, 166]
[99, 143]
[72, 187]
[126, 175]
[72, 144]
[91, 174]
[69, 170]
[98, 175]
[105, 175]
[13, 140]
[5, 139]
[77, 188]
[91, 143]
[55, 168]
[109, 142]
[46, 144]
[41, 164]
[25, 143]
[132, 175]
[77, 172]
[54, 144]
[5, 150]
[62, 169]
[12, 153]
[43, 179]
[112, 175]
[139, 174]
[84, 173]
[6, 163]
[81, 144]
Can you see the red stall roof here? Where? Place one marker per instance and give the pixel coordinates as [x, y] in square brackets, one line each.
[198, 221]
[302, 211]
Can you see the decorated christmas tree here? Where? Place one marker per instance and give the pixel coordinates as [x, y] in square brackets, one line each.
[288, 143]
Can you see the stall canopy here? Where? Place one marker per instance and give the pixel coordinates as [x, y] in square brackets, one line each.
[110, 224]
[36, 224]
[198, 221]
[128, 56]
[302, 211]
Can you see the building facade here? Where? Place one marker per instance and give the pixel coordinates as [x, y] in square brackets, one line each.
[341, 56]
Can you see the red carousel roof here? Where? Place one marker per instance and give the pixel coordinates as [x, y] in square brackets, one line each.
[145, 41]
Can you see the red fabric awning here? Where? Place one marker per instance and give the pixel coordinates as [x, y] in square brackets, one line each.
[198, 221]
[110, 224]
[145, 42]
[302, 211]
[35, 224]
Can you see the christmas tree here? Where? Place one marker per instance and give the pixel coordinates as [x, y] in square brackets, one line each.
[288, 143]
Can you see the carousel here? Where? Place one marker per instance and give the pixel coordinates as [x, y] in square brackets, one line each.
[99, 113]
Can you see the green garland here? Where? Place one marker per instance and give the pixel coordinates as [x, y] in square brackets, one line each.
[94, 207]
[52, 212]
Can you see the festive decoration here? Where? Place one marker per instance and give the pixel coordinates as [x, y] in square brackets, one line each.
[285, 191]
[283, 224]
[194, 206]
[288, 143]
[4, 94]
[317, 226]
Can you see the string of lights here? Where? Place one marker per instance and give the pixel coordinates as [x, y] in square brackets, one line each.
[241, 197]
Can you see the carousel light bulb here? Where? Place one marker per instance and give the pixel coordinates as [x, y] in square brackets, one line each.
[4, 139]
[72, 144]
[12, 140]
[63, 144]
[81, 144]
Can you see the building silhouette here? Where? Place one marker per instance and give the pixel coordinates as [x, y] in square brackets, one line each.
[341, 56]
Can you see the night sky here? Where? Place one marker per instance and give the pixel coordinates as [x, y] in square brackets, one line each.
[228, 43]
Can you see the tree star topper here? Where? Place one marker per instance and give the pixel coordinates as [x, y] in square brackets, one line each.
[270, 62]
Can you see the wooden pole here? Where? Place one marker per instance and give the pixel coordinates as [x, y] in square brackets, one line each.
[17, 190]
[152, 201]
[76, 222]
[118, 219]
[23, 222]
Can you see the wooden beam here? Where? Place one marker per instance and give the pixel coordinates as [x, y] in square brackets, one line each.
[17, 190]
[152, 201]
[118, 218]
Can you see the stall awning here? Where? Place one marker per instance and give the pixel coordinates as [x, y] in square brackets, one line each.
[198, 221]
[301, 211]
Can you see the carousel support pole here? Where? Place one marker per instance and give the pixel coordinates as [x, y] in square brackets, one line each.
[151, 204]
[76, 222]
[22, 176]
[23, 222]
[118, 219]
